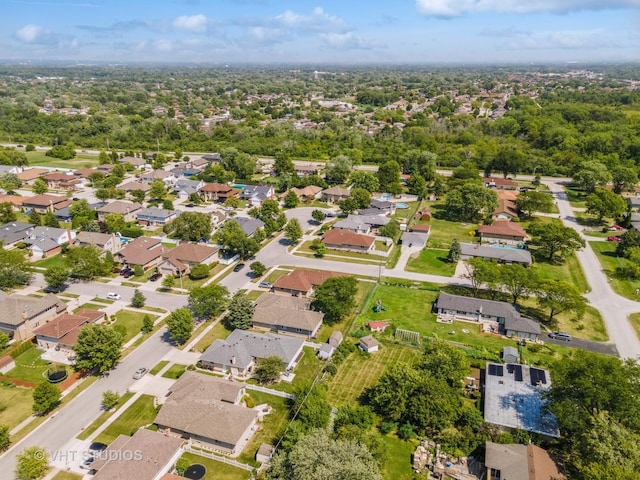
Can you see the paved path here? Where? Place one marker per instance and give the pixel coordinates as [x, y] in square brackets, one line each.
[614, 308]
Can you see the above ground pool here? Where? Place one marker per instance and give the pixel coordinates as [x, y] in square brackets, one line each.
[402, 205]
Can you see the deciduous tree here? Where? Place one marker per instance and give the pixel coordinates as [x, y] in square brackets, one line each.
[293, 231]
[46, 397]
[605, 203]
[558, 296]
[56, 276]
[471, 202]
[530, 202]
[336, 298]
[552, 238]
[241, 311]
[97, 348]
[208, 301]
[31, 463]
[15, 269]
[180, 325]
[268, 369]
[138, 300]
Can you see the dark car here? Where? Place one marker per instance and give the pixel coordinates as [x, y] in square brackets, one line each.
[128, 274]
[20, 145]
[190, 205]
[75, 199]
[155, 277]
[238, 267]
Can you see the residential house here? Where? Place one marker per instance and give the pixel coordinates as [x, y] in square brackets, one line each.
[207, 411]
[513, 461]
[304, 170]
[167, 177]
[181, 259]
[500, 183]
[502, 232]
[147, 455]
[106, 242]
[144, 251]
[105, 168]
[286, 314]
[420, 228]
[183, 171]
[249, 225]
[308, 193]
[21, 314]
[137, 162]
[507, 209]
[368, 344]
[127, 209]
[14, 232]
[61, 181]
[4, 169]
[154, 216]
[61, 333]
[505, 315]
[14, 200]
[256, 194]
[498, 254]
[335, 194]
[239, 351]
[218, 218]
[199, 163]
[362, 223]
[302, 282]
[378, 326]
[349, 241]
[383, 207]
[414, 239]
[132, 186]
[184, 188]
[514, 398]
[47, 241]
[85, 173]
[212, 157]
[30, 175]
[44, 203]
[64, 214]
[217, 192]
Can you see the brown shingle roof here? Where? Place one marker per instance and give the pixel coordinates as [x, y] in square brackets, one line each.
[32, 174]
[12, 199]
[57, 177]
[142, 250]
[304, 280]
[308, 191]
[189, 252]
[45, 200]
[347, 238]
[65, 323]
[502, 228]
[421, 228]
[120, 207]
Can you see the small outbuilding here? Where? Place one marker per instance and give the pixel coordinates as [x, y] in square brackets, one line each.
[510, 355]
[265, 453]
[368, 344]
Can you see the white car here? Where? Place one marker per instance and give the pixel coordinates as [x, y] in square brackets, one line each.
[139, 373]
[113, 296]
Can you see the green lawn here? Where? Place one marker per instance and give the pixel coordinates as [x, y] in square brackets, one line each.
[359, 372]
[159, 367]
[255, 294]
[90, 306]
[306, 369]
[175, 371]
[331, 253]
[634, 318]
[272, 426]
[141, 413]
[30, 367]
[132, 321]
[382, 246]
[433, 261]
[577, 197]
[80, 161]
[62, 475]
[87, 432]
[15, 405]
[569, 271]
[406, 213]
[218, 331]
[399, 455]
[50, 261]
[443, 232]
[606, 253]
[217, 470]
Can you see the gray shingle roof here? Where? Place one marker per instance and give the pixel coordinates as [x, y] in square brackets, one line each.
[474, 305]
[496, 253]
[289, 318]
[249, 225]
[14, 231]
[246, 346]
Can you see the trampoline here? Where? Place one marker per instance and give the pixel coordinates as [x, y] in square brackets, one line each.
[196, 471]
[56, 374]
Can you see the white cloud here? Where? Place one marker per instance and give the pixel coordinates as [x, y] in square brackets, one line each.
[454, 8]
[194, 23]
[346, 41]
[36, 35]
[267, 35]
[317, 20]
[563, 40]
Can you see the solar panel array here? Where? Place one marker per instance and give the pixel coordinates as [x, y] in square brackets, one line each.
[538, 376]
[496, 370]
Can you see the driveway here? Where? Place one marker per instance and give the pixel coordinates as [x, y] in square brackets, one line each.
[607, 348]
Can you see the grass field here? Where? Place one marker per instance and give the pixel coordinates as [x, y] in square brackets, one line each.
[141, 413]
[15, 405]
[217, 470]
[606, 253]
[175, 371]
[30, 367]
[577, 198]
[443, 232]
[359, 372]
[569, 271]
[275, 275]
[433, 261]
[50, 261]
[80, 161]
[132, 321]
[398, 461]
[635, 322]
[87, 432]
[217, 332]
[62, 475]
[272, 426]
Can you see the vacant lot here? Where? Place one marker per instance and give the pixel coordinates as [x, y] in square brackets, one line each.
[80, 161]
[132, 321]
[15, 405]
[606, 252]
[432, 261]
[359, 371]
[141, 413]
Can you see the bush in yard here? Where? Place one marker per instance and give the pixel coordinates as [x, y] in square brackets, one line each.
[387, 427]
[199, 272]
[406, 431]
[181, 465]
[138, 299]
[46, 397]
[138, 271]
[110, 399]
[147, 324]
[5, 439]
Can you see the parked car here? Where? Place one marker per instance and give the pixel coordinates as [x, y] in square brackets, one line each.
[560, 336]
[155, 277]
[87, 463]
[190, 205]
[20, 145]
[97, 447]
[139, 373]
[128, 274]
[238, 267]
[613, 239]
[616, 227]
[265, 284]
[113, 296]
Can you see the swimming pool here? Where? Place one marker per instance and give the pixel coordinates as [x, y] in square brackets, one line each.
[384, 197]
[512, 247]
[402, 205]
[239, 185]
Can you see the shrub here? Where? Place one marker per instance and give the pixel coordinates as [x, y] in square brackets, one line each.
[331, 369]
[249, 402]
[387, 427]
[30, 147]
[406, 431]
[199, 271]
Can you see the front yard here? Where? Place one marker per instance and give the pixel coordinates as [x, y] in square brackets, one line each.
[606, 253]
[132, 321]
[432, 261]
[140, 413]
[15, 404]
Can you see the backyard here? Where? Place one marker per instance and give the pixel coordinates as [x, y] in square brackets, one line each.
[30, 367]
[139, 414]
[15, 404]
[217, 470]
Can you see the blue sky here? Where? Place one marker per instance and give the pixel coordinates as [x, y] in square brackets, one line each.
[321, 31]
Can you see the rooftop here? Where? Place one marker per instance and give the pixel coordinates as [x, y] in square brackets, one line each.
[347, 238]
[502, 228]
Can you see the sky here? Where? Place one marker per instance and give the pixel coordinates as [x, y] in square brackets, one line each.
[320, 31]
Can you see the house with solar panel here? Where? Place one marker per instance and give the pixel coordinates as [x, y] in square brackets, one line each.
[514, 398]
